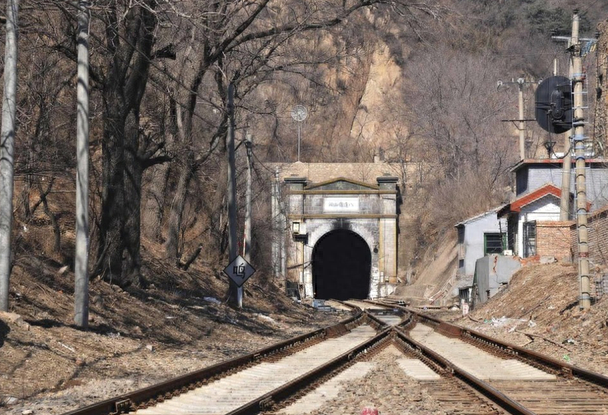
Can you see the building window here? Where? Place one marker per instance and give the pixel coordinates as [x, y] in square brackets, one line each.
[460, 263]
[529, 239]
[493, 243]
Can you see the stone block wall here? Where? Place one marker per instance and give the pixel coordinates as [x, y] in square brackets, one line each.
[554, 238]
[410, 175]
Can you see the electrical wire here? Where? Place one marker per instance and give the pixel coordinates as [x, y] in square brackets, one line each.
[162, 71]
[261, 163]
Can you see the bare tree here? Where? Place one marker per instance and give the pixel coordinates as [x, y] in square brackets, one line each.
[245, 43]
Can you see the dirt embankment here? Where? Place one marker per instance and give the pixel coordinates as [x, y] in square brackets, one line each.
[136, 337]
[539, 310]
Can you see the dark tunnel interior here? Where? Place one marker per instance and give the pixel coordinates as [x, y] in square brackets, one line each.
[341, 265]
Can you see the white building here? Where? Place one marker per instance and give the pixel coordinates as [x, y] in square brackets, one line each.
[479, 236]
[540, 205]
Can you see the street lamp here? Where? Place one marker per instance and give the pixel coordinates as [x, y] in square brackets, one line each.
[299, 113]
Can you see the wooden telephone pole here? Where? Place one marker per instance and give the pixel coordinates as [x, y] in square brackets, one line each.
[521, 127]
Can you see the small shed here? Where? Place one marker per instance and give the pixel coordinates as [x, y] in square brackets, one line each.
[492, 272]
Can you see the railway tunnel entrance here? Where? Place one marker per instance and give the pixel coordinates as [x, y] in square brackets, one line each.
[340, 237]
[341, 266]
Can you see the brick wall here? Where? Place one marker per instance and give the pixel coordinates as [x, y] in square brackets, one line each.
[598, 237]
[554, 238]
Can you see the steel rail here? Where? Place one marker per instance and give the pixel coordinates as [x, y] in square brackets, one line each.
[484, 388]
[290, 389]
[565, 368]
[131, 400]
[399, 334]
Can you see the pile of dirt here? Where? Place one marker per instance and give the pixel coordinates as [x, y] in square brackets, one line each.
[539, 310]
[136, 338]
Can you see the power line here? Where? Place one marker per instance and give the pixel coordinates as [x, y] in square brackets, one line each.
[152, 64]
[261, 163]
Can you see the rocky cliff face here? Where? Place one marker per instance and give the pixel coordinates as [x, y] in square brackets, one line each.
[353, 99]
[379, 114]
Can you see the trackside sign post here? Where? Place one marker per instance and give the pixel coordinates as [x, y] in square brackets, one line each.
[239, 271]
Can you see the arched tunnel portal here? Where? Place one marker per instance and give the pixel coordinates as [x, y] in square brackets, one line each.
[341, 266]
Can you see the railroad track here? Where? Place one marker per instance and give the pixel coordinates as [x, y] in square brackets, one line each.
[454, 370]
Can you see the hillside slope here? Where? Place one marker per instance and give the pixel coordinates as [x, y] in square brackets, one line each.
[436, 274]
[539, 310]
[135, 338]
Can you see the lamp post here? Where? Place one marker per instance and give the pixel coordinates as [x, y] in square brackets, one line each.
[299, 113]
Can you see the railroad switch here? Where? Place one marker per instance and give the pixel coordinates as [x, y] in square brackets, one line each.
[123, 406]
[267, 404]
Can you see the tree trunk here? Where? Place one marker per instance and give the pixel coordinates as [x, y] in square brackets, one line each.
[155, 202]
[112, 199]
[52, 217]
[119, 258]
[177, 210]
[131, 266]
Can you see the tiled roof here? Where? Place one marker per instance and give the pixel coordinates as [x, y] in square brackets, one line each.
[481, 215]
[547, 189]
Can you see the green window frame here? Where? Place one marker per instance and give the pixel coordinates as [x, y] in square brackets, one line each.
[494, 243]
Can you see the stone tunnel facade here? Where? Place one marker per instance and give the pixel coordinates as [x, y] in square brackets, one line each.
[352, 212]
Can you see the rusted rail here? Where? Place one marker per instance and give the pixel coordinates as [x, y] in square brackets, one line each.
[266, 402]
[512, 349]
[493, 393]
[131, 400]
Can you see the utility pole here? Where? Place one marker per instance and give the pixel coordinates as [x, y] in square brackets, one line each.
[521, 82]
[81, 274]
[233, 290]
[7, 148]
[247, 241]
[276, 256]
[578, 123]
[522, 128]
[564, 205]
[567, 161]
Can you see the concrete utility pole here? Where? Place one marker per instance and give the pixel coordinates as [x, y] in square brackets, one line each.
[81, 272]
[578, 123]
[276, 256]
[567, 164]
[247, 240]
[564, 206]
[247, 237]
[7, 148]
[234, 292]
[521, 82]
[522, 127]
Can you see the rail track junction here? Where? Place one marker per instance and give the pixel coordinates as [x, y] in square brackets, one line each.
[458, 370]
